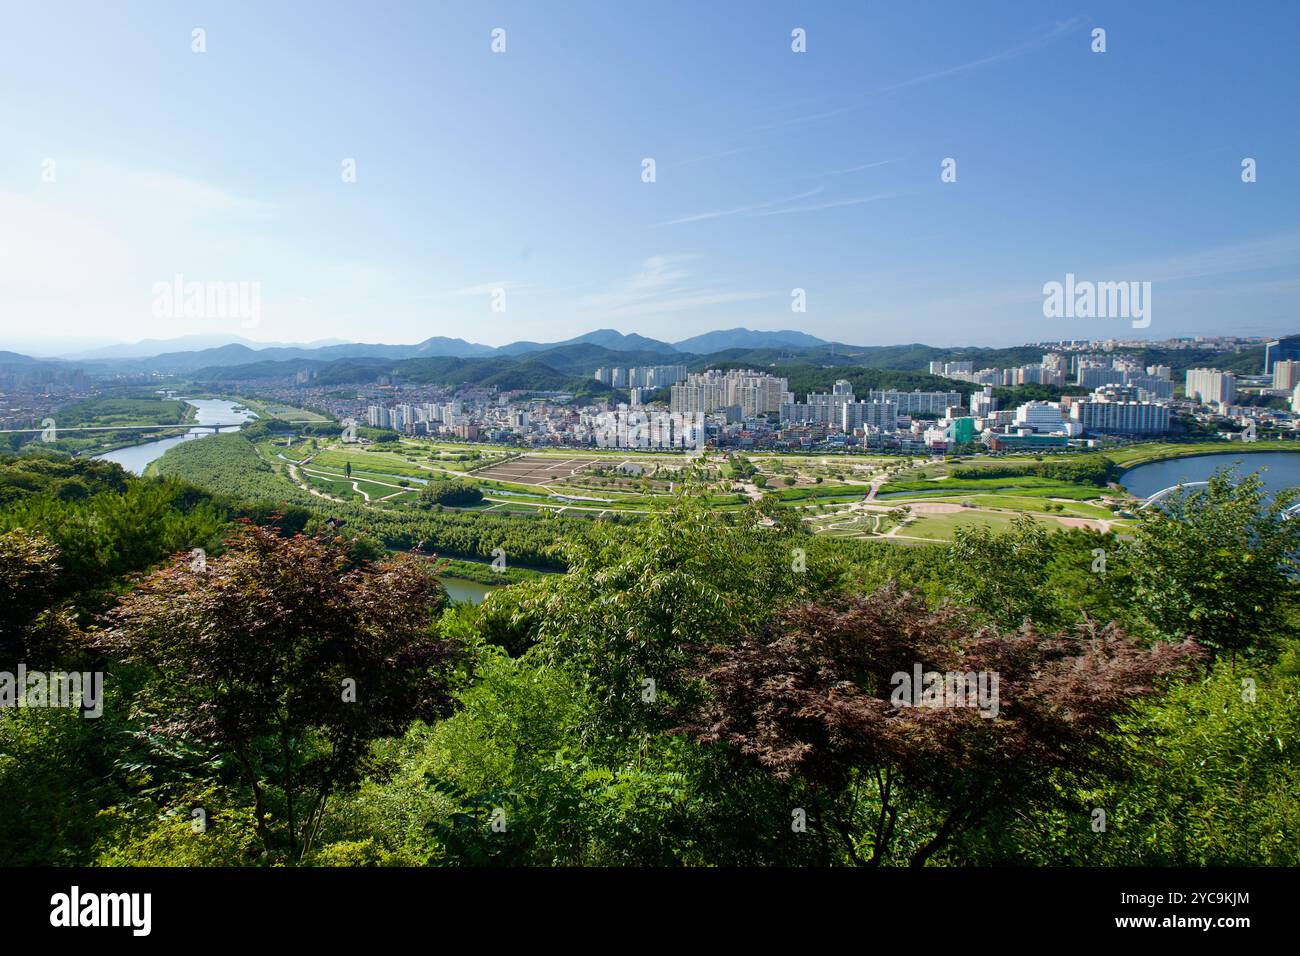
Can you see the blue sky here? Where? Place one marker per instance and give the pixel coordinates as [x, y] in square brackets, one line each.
[774, 170]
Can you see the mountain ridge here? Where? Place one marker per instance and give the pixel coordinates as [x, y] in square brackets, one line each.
[163, 355]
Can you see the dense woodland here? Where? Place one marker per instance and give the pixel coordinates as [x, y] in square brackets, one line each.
[698, 689]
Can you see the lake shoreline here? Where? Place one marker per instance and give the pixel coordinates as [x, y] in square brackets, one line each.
[1167, 472]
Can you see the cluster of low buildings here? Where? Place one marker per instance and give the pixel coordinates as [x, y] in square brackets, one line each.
[27, 407]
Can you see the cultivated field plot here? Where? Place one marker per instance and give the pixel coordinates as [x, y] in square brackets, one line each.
[538, 469]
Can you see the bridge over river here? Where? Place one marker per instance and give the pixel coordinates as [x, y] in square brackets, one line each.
[191, 426]
[1164, 493]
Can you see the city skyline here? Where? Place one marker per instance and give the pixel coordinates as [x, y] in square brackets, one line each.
[516, 178]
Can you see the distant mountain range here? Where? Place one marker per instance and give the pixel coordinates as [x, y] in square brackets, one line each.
[552, 366]
[146, 348]
[188, 353]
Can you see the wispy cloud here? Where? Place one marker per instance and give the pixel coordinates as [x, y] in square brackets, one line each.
[1228, 259]
[1019, 50]
[780, 207]
[1010, 53]
[661, 286]
[847, 170]
[684, 303]
[721, 154]
[1248, 255]
[740, 210]
[833, 204]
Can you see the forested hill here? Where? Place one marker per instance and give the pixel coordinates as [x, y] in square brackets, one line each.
[504, 374]
[569, 368]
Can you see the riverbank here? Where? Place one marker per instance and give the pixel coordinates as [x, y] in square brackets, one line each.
[139, 457]
[1132, 456]
[482, 573]
[129, 440]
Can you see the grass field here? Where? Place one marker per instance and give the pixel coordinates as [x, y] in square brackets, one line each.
[590, 483]
[1078, 509]
[942, 527]
[1133, 455]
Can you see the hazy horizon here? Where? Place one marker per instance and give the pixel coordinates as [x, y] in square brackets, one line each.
[50, 348]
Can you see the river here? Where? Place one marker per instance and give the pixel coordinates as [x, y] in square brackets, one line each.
[223, 413]
[208, 411]
[1279, 470]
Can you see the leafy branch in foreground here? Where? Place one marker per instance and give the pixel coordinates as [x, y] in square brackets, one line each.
[1217, 563]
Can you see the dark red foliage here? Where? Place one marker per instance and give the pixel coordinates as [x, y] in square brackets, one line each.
[252, 655]
[810, 696]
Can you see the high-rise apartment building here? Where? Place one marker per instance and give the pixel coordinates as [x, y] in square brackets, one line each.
[983, 402]
[1286, 374]
[1095, 376]
[1210, 386]
[1281, 350]
[838, 410]
[1116, 410]
[754, 393]
[642, 376]
[916, 402]
[1041, 417]
[855, 416]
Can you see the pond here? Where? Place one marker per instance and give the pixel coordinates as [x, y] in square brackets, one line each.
[1279, 470]
[461, 590]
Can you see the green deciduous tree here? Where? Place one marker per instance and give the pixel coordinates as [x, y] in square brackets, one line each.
[1217, 563]
[1003, 573]
[458, 493]
[28, 580]
[639, 602]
